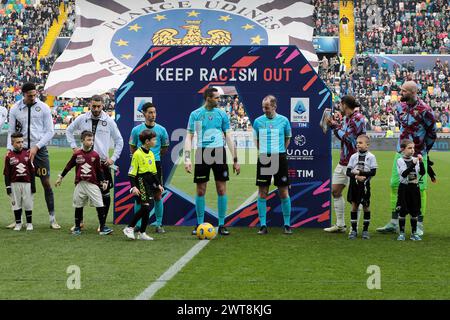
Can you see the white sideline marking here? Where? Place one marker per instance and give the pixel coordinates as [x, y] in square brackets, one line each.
[249, 200]
[148, 293]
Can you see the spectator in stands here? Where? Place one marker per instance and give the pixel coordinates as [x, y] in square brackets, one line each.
[402, 27]
[326, 17]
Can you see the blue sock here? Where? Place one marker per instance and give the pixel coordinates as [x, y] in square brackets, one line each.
[222, 205]
[262, 211]
[286, 208]
[200, 209]
[159, 211]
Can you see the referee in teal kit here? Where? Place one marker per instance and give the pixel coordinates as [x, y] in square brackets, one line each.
[210, 124]
[272, 133]
[160, 149]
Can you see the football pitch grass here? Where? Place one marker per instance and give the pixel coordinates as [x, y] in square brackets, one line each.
[310, 264]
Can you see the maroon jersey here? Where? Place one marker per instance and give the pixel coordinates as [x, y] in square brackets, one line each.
[87, 165]
[18, 167]
[353, 126]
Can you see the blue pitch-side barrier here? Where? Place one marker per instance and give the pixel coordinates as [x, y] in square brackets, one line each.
[173, 78]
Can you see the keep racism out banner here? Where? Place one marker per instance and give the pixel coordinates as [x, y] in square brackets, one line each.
[178, 76]
[111, 36]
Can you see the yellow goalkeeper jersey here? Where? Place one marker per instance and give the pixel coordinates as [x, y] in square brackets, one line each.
[142, 162]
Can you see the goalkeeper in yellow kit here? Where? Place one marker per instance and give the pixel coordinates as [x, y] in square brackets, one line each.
[144, 183]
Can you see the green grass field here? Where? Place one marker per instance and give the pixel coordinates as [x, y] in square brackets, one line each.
[307, 265]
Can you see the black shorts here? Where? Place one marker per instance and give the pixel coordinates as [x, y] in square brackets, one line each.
[359, 193]
[146, 189]
[408, 199]
[108, 177]
[279, 170]
[211, 158]
[41, 163]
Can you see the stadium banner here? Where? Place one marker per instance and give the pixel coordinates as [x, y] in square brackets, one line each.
[112, 35]
[174, 78]
[326, 44]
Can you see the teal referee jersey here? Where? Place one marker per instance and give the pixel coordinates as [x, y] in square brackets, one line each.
[271, 133]
[162, 138]
[209, 126]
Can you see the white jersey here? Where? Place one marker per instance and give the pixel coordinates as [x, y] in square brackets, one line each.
[413, 176]
[362, 161]
[35, 123]
[105, 131]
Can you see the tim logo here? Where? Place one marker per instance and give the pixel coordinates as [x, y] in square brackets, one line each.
[138, 103]
[300, 112]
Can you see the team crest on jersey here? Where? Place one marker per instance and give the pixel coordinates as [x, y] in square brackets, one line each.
[38, 109]
[210, 117]
[80, 159]
[92, 159]
[104, 123]
[26, 159]
[150, 161]
[13, 161]
[284, 179]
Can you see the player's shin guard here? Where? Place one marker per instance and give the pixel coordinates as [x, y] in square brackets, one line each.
[401, 221]
[423, 204]
[354, 220]
[50, 201]
[339, 209]
[18, 216]
[394, 218]
[106, 204]
[145, 217]
[366, 221]
[413, 224]
[29, 216]
[159, 212]
[222, 206]
[262, 211]
[78, 217]
[286, 209]
[101, 217]
[200, 209]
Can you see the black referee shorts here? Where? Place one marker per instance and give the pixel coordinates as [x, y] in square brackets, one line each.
[275, 165]
[211, 158]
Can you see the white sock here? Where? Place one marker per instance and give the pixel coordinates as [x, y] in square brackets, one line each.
[394, 221]
[360, 211]
[52, 218]
[339, 209]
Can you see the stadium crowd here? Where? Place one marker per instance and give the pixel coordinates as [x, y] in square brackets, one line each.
[377, 89]
[402, 26]
[326, 17]
[234, 108]
[422, 24]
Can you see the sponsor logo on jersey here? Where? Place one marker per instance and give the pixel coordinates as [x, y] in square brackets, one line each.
[80, 159]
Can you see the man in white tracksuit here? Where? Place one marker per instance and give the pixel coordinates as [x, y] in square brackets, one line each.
[104, 129]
